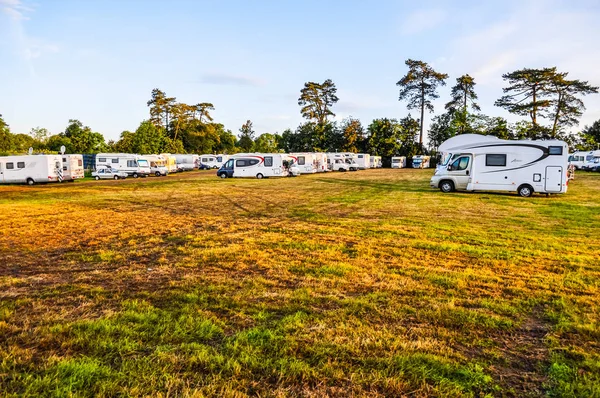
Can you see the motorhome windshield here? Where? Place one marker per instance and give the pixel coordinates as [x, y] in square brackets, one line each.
[142, 163]
[589, 157]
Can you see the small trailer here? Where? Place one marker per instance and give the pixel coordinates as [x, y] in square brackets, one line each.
[31, 169]
[398, 162]
[134, 165]
[482, 163]
[258, 165]
[363, 160]
[72, 167]
[187, 162]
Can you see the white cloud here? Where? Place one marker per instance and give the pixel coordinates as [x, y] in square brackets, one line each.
[15, 9]
[422, 20]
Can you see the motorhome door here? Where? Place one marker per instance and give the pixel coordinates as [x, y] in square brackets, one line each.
[1, 172]
[460, 169]
[554, 178]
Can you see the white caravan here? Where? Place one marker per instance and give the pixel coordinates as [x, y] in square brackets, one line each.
[31, 169]
[363, 160]
[72, 167]
[305, 161]
[420, 162]
[483, 163]
[376, 162]
[258, 165]
[132, 164]
[158, 164]
[398, 162]
[186, 162]
[592, 160]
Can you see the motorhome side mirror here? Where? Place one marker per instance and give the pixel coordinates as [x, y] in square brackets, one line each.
[449, 167]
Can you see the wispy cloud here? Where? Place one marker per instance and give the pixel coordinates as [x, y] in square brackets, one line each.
[233, 80]
[15, 9]
[422, 20]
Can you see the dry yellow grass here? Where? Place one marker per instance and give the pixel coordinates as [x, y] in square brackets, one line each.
[338, 284]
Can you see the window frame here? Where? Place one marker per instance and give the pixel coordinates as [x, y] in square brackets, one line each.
[20, 165]
[10, 166]
[268, 161]
[552, 148]
[487, 159]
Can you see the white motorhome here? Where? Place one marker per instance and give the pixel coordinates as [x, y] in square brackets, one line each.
[305, 161]
[592, 160]
[483, 163]
[72, 167]
[348, 163]
[363, 160]
[186, 162]
[170, 162]
[577, 159]
[321, 159]
[158, 165]
[420, 162]
[212, 161]
[31, 169]
[398, 162]
[258, 165]
[134, 165]
[376, 162]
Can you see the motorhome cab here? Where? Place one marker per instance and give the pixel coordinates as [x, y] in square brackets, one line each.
[363, 160]
[134, 165]
[170, 162]
[158, 165]
[31, 169]
[483, 163]
[186, 162]
[72, 167]
[255, 165]
[420, 162]
[398, 162]
[305, 161]
[577, 159]
[592, 160]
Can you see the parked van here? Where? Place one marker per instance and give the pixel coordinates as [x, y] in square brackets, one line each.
[134, 165]
[72, 167]
[592, 160]
[376, 162]
[398, 162]
[170, 162]
[187, 162]
[306, 161]
[260, 165]
[577, 159]
[363, 160]
[158, 165]
[492, 164]
[31, 169]
[420, 162]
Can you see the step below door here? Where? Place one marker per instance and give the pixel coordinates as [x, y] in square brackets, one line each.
[554, 179]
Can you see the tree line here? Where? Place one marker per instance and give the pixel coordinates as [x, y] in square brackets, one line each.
[547, 100]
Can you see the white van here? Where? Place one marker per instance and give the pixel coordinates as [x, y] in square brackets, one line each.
[258, 165]
[72, 167]
[134, 165]
[592, 160]
[158, 165]
[492, 164]
[398, 162]
[577, 159]
[31, 169]
[363, 160]
[187, 162]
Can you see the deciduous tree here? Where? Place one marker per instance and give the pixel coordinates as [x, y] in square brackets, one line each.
[246, 141]
[316, 100]
[267, 143]
[353, 134]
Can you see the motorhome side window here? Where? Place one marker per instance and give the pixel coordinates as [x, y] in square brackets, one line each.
[268, 161]
[555, 150]
[79, 162]
[20, 165]
[495, 160]
[10, 166]
[102, 159]
[252, 162]
[116, 161]
[219, 159]
[241, 163]
[360, 156]
[301, 160]
[130, 163]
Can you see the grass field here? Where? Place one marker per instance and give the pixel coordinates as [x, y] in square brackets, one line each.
[346, 284]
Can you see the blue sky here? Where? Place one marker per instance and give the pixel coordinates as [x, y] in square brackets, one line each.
[97, 61]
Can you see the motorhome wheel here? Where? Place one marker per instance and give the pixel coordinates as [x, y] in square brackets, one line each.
[30, 181]
[446, 186]
[223, 175]
[157, 174]
[116, 177]
[97, 178]
[525, 191]
[259, 176]
[135, 175]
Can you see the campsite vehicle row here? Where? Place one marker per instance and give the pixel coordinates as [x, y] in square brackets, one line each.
[472, 162]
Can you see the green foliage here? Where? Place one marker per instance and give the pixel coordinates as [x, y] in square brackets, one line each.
[39, 134]
[246, 141]
[353, 135]
[226, 140]
[568, 108]
[267, 143]
[463, 95]
[83, 139]
[148, 139]
[160, 106]
[316, 99]
[384, 137]
[419, 87]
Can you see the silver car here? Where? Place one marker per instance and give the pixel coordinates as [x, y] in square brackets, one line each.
[109, 174]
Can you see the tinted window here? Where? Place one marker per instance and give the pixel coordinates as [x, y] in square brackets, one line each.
[102, 159]
[130, 163]
[115, 160]
[10, 166]
[20, 165]
[64, 168]
[461, 163]
[241, 163]
[65, 160]
[229, 164]
[495, 160]
[204, 160]
[268, 161]
[555, 150]
[360, 156]
[219, 159]
[252, 162]
[301, 160]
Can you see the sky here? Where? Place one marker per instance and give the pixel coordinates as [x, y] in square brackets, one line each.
[98, 61]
